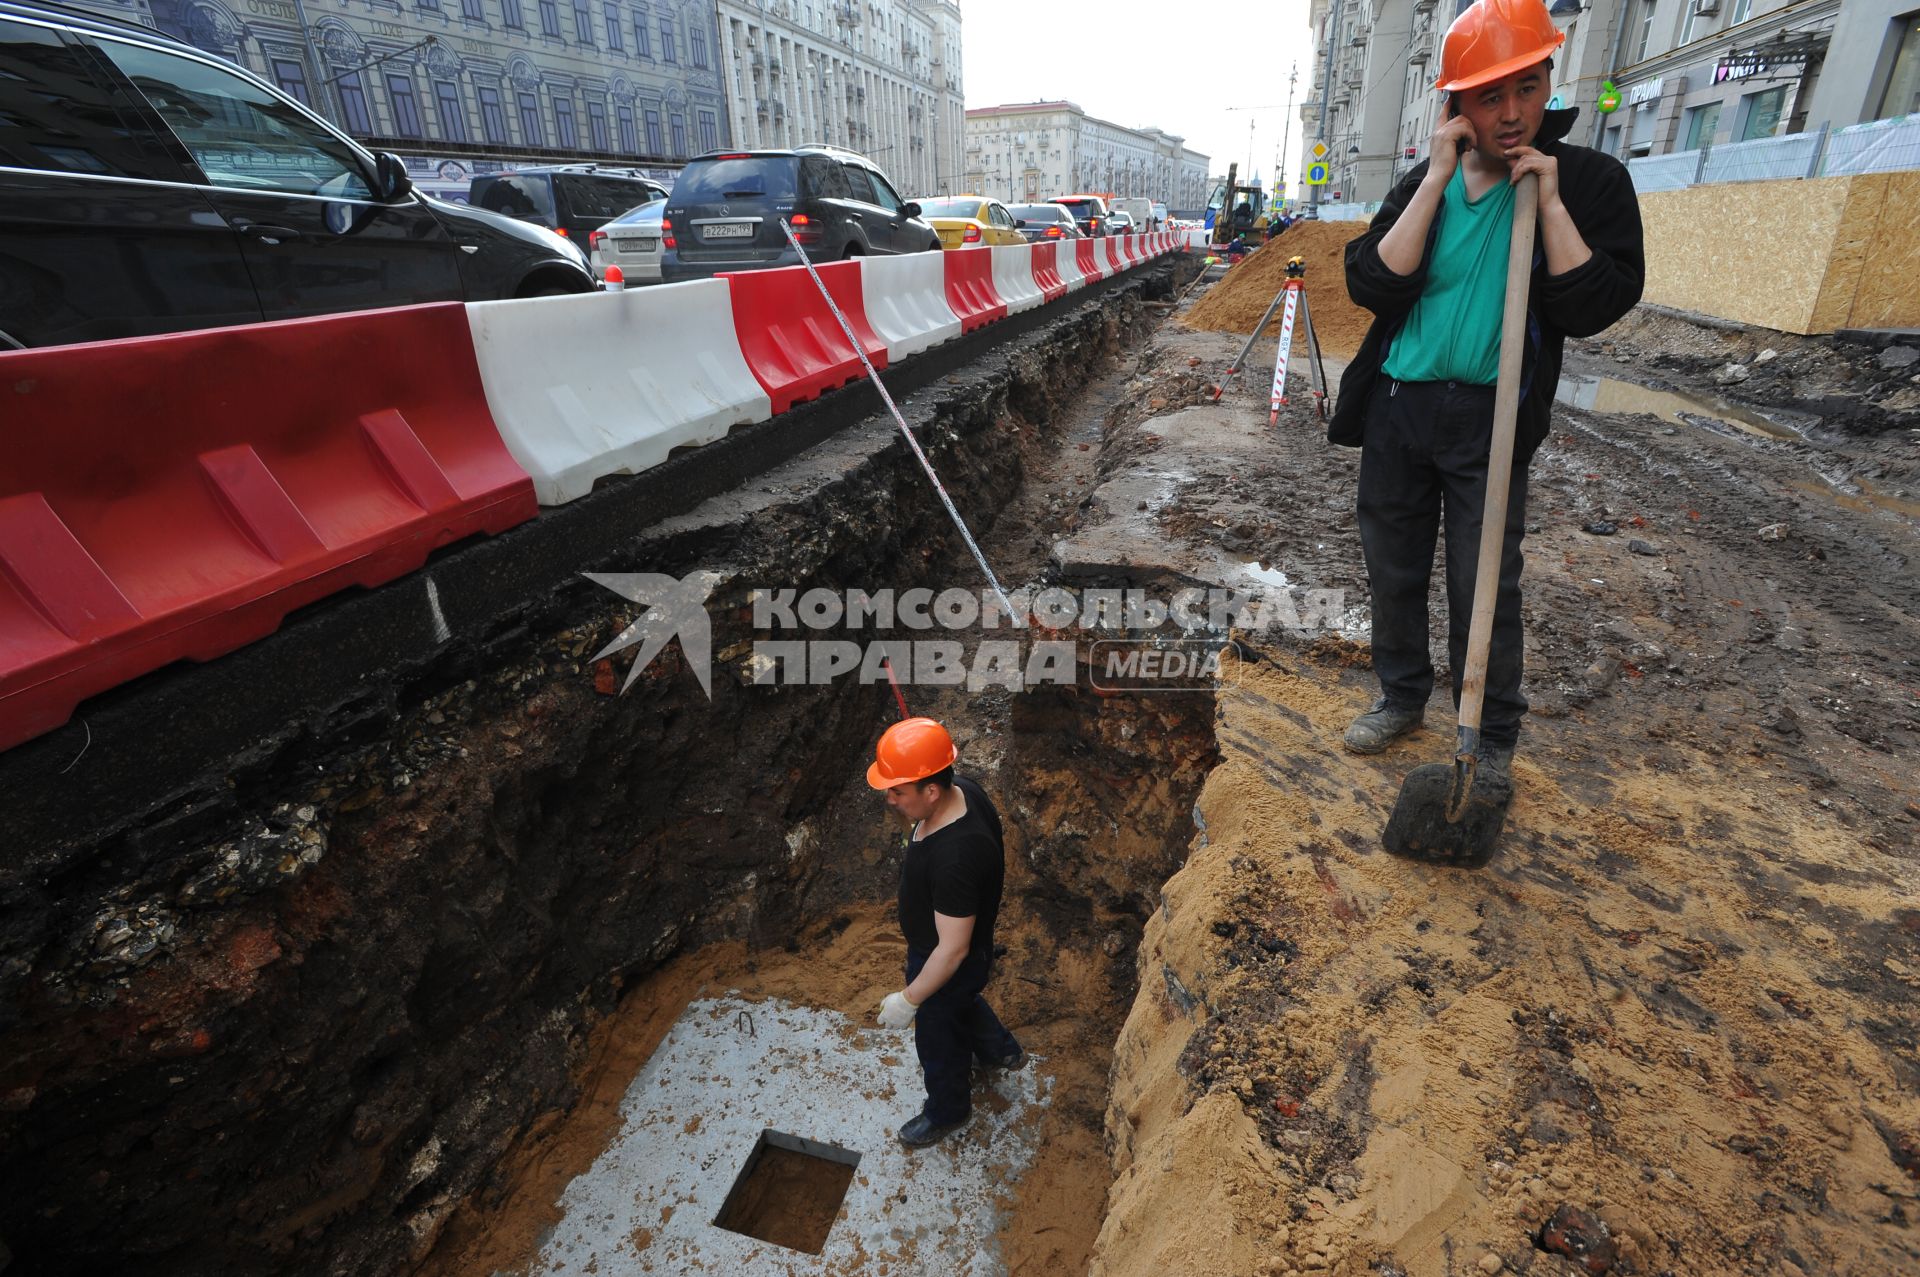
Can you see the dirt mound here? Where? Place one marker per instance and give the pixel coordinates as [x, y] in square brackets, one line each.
[1235, 304]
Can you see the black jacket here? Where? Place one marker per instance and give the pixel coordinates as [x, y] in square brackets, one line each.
[1599, 196]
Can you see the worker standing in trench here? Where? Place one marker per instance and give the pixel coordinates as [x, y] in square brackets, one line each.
[1417, 400]
[949, 898]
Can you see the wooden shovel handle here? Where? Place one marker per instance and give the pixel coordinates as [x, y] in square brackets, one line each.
[1506, 412]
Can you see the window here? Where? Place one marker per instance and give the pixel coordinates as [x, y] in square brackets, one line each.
[1693, 18]
[709, 131]
[493, 116]
[858, 187]
[1742, 10]
[697, 44]
[406, 108]
[473, 10]
[354, 115]
[822, 179]
[616, 39]
[1646, 30]
[292, 79]
[1701, 122]
[563, 120]
[550, 18]
[510, 14]
[453, 114]
[239, 134]
[656, 140]
[678, 125]
[1902, 96]
[597, 126]
[667, 53]
[56, 117]
[582, 22]
[1763, 113]
[532, 132]
[642, 38]
[629, 135]
[431, 6]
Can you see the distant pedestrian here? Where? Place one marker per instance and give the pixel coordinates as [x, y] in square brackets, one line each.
[950, 894]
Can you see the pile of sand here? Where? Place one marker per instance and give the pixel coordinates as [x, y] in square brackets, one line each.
[1235, 304]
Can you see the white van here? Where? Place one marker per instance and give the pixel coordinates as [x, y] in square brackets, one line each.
[1140, 210]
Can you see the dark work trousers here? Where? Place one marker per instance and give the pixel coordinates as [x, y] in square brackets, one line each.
[951, 1030]
[1423, 460]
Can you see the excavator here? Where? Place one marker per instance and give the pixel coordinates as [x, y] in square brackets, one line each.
[1229, 196]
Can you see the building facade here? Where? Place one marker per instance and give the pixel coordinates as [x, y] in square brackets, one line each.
[881, 77]
[1689, 73]
[1035, 150]
[462, 87]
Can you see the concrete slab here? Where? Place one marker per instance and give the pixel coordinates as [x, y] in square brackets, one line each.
[731, 1069]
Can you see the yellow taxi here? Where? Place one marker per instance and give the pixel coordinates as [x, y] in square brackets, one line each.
[963, 221]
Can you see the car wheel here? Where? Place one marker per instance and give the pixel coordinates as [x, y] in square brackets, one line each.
[853, 251]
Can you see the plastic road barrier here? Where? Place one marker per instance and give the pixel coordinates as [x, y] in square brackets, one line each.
[970, 291]
[611, 383]
[791, 340]
[1013, 277]
[1052, 287]
[906, 300]
[1092, 262]
[1067, 263]
[174, 497]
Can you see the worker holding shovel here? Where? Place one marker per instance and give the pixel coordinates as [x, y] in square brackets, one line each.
[949, 898]
[1424, 397]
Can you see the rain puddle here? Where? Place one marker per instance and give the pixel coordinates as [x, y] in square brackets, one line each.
[1604, 394]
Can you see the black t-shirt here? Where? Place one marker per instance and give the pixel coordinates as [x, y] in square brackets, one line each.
[959, 871]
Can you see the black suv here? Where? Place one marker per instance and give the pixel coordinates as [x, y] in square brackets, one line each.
[725, 211]
[147, 187]
[574, 199]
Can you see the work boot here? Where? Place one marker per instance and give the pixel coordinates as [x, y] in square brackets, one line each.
[1497, 760]
[921, 1132]
[1012, 1064]
[1380, 726]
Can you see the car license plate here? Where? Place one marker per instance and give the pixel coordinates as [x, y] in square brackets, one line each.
[736, 231]
[637, 245]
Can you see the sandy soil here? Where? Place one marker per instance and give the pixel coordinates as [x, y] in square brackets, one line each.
[1671, 1028]
[1237, 302]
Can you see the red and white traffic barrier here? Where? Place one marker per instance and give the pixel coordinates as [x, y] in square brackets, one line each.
[906, 301]
[1013, 276]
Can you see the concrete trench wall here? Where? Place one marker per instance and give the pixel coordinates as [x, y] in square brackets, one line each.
[286, 1027]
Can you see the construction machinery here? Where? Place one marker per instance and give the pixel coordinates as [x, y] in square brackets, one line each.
[1226, 199]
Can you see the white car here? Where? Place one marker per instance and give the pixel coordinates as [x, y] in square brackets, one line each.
[1120, 222]
[630, 241]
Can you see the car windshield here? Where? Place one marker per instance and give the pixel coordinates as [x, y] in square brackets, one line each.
[647, 212]
[1040, 213]
[748, 177]
[1079, 208]
[950, 208]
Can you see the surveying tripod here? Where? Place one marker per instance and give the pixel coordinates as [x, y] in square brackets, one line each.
[1294, 296]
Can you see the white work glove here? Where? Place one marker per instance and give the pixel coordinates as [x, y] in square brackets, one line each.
[896, 1012]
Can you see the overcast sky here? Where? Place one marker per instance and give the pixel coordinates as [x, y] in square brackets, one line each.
[1182, 78]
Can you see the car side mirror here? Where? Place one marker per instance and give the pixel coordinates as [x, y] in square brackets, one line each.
[390, 181]
[909, 209]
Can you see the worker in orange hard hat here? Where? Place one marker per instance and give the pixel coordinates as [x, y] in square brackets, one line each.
[1417, 400]
[949, 897]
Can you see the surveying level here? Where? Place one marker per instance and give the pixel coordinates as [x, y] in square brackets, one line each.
[1293, 296]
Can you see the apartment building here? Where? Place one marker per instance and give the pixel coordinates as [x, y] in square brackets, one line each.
[1688, 73]
[1030, 151]
[464, 87]
[881, 77]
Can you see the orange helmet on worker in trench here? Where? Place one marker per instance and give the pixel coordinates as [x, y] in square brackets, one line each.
[912, 749]
[1492, 40]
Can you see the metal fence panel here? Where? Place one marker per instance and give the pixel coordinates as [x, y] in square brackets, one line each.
[1763, 159]
[1875, 147]
[1664, 172]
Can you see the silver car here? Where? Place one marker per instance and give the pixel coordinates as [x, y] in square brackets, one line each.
[630, 241]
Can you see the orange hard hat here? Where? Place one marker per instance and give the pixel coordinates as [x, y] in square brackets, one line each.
[912, 749]
[1493, 39]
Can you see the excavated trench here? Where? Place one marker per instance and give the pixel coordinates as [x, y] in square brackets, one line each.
[375, 1024]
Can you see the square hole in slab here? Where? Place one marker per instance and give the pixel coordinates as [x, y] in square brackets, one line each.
[789, 1192]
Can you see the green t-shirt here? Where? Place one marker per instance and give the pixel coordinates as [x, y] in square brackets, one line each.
[1453, 333]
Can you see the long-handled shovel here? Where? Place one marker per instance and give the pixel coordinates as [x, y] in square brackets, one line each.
[1452, 814]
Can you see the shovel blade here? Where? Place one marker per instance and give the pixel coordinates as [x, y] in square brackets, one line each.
[1431, 822]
